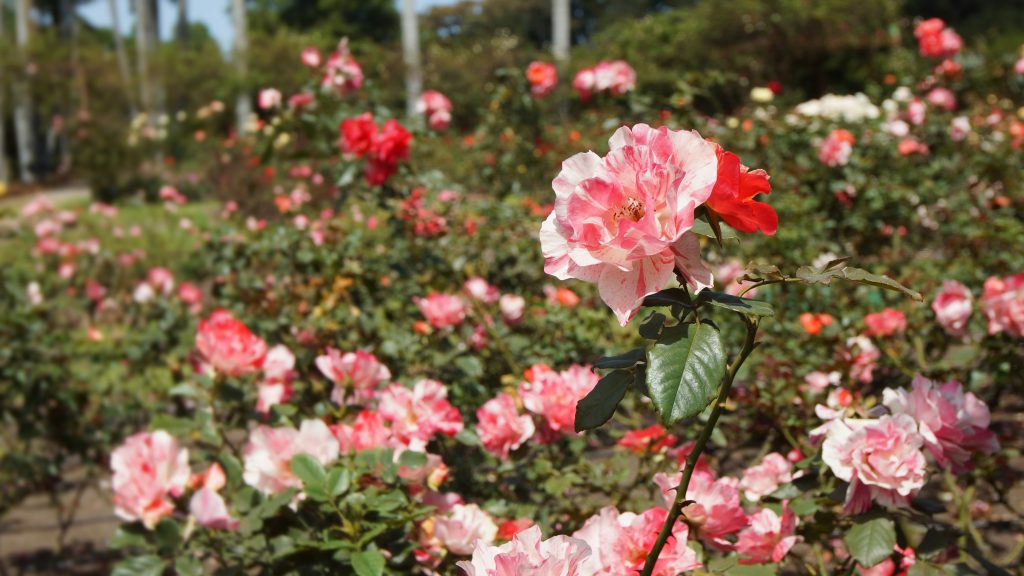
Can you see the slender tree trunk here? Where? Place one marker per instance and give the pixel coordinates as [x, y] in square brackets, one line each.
[156, 86]
[142, 56]
[243, 105]
[182, 24]
[22, 102]
[122, 58]
[411, 56]
[560, 32]
[4, 174]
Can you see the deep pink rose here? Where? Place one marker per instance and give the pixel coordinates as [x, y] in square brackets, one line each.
[500, 426]
[228, 345]
[769, 536]
[885, 323]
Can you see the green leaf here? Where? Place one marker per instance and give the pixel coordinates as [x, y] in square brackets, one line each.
[338, 481]
[685, 368]
[412, 459]
[669, 297]
[880, 281]
[704, 229]
[368, 563]
[139, 566]
[871, 541]
[737, 304]
[599, 405]
[307, 469]
[624, 360]
[760, 272]
[651, 328]
[128, 535]
[188, 566]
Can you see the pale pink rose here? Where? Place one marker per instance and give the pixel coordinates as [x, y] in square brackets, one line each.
[1002, 300]
[615, 76]
[916, 111]
[269, 98]
[542, 76]
[342, 72]
[953, 307]
[46, 228]
[279, 364]
[442, 310]
[311, 57]
[190, 294]
[501, 428]
[418, 413]
[367, 432]
[481, 290]
[716, 511]
[818, 382]
[863, 355]
[554, 395]
[512, 307]
[880, 459]
[213, 478]
[359, 370]
[34, 293]
[1018, 67]
[762, 479]
[885, 323]
[147, 470]
[170, 195]
[66, 270]
[837, 148]
[942, 98]
[432, 474]
[436, 107]
[769, 536]
[583, 83]
[464, 527]
[210, 510]
[269, 453]
[953, 423]
[228, 345]
[619, 544]
[728, 274]
[272, 393]
[959, 128]
[623, 221]
[38, 205]
[526, 554]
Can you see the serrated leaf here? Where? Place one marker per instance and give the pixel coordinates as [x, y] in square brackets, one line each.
[309, 470]
[147, 565]
[669, 297]
[871, 541]
[368, 563]
[759, 272]
[651, 328]
[412, 459]
[624, 360]
[881, 281]
[684, 370]
[599, 405]
[737, 304]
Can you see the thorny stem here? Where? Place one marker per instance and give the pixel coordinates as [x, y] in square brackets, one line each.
[691, 459]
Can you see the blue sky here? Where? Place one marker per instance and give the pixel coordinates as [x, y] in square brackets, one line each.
[213, 13]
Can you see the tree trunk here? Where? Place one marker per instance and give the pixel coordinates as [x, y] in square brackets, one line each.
[23, 111]
[243, 106]
[142, 32]
[560, 32]
[4, 174]
[182, 25]
[122, 58]
[411, 55]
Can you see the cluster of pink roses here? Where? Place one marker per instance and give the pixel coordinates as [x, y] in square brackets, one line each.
[383, 147]
[623, 221]
[883, 459]
[615, 77]
[1002, 301]
[436, 107]
[547, 393]
[835, 150]
[444, 311]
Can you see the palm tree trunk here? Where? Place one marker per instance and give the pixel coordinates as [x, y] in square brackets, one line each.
[243, 105]
[23, 110]
[411, 55]
[122, 58]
